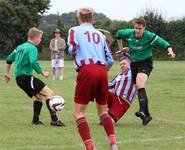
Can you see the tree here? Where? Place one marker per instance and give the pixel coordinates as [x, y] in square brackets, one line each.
[176, 32]
[18, 16]
[156, 24]
[155, 21]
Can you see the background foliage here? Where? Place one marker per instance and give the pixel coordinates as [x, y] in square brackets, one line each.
[18, 16]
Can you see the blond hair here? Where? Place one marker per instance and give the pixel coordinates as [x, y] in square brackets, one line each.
[85, 14]
[34, 33]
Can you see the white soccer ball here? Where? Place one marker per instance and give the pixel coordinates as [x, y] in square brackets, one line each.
[56, 103]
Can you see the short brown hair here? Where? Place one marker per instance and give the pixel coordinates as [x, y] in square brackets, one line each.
[34, 33]
[140, 21]
[85, 14]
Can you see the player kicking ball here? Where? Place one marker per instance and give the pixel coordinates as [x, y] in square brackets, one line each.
[25, 58]
[141, 42]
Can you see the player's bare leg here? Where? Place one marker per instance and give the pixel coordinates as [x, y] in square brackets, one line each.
[48, 93]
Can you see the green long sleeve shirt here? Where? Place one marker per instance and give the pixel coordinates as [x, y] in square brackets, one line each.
[141, 48]
[25, 57]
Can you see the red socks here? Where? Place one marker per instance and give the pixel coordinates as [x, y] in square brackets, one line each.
[84, 132]
[109, 128]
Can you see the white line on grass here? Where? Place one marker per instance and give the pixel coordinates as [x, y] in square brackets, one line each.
[42, 147]
[171, 121]
[30, 147]
[152, 140]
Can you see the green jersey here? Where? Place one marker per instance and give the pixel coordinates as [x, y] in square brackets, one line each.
[141, 48]
[25, 57]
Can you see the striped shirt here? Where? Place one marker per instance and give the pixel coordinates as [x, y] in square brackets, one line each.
[123, 86]
[87, 45]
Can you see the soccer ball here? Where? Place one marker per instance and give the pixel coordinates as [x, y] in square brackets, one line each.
[56, 103]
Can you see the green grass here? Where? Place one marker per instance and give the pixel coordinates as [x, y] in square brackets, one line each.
[166, 92]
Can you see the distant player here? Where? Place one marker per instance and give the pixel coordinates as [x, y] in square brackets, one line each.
[108, 35]
[122, 96]
[57, 47]
[92, 59]
[25, 58]
[140, 43]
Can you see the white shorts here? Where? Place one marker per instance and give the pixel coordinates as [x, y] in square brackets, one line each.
[55, 63]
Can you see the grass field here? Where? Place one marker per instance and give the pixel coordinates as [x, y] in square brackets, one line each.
[166, 92]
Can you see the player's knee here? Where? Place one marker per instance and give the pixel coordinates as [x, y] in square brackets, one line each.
[50, 94]
[39, 97]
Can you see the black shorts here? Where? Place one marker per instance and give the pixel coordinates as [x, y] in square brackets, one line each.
[30, 85]
[144, 66]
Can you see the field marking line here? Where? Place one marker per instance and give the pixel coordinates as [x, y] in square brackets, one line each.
[152, 140]
[30, 147]
[180, 137]
[171, 121]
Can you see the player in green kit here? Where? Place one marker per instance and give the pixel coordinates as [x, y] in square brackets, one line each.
[140, 43]
[25, 57]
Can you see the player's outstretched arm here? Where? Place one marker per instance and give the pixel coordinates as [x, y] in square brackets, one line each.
[171, 54]
[123, 50]
[7, 73]
[120, 46]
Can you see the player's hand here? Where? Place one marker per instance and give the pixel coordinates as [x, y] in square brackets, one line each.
[7, 77]
[171, 54]
[123, 50]
[56, 50]
[45, 74]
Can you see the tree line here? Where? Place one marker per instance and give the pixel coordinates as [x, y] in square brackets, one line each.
[18, 16]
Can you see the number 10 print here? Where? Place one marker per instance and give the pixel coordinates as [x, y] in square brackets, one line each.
[95, 37]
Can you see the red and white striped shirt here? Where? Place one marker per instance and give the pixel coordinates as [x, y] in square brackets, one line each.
[88, 45]
[123, 86]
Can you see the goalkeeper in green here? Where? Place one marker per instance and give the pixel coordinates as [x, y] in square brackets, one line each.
[140, 43]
